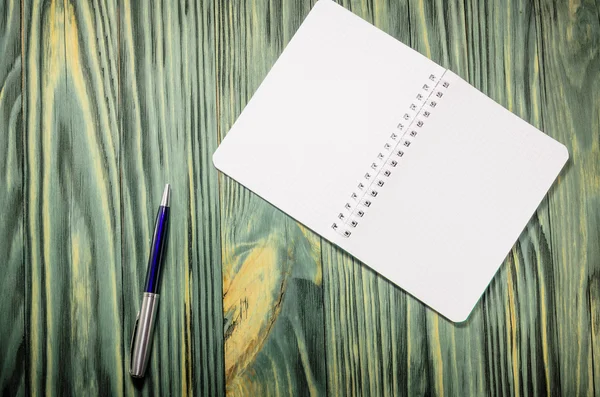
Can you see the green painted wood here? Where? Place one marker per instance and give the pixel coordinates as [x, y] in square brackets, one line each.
[12, 276]
[380, 340]
[272, 280]
[168, 134]
[569, 43]
[102, 103]
[72, 204]
[519, 310]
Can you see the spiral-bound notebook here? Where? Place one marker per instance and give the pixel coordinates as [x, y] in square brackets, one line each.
[392, 157]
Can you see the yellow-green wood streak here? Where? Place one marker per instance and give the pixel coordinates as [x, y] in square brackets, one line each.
[12, 276]
[519, 340]
[168, 135]
[272, 283]
[72, 203]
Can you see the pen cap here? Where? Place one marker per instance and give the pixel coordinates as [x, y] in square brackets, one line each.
[142, 335]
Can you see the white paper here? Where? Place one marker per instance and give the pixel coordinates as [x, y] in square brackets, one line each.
[456, 202]
[322, 113]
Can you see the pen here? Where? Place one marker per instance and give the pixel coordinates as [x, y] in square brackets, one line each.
[144, 323]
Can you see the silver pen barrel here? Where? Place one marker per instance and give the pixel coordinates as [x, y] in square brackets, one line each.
[142, 335]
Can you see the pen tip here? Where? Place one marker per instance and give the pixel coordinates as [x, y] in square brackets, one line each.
[166, 198]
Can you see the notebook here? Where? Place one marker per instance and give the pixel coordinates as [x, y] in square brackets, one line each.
[391, 157]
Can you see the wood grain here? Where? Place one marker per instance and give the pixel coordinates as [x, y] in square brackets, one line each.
[381, 341]
[569, 42]
[272, 283]
[12, 276]
[103, 102]
[520, 352]
[72, 204]
[169, 132]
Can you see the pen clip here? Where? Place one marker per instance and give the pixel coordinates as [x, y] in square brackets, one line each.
[137, 320]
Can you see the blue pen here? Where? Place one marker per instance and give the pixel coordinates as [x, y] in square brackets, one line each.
[144, 323]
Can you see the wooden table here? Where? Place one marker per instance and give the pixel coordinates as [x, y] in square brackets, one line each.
[101, 103]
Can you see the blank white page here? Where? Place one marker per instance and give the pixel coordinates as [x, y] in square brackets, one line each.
[321, 114]
[456, 202]
[444, 222]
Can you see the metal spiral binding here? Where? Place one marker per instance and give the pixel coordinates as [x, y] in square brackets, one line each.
[387, 160]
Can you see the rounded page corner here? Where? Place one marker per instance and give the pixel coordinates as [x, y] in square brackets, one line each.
[460, 315]
[217, 159]
[564, 153]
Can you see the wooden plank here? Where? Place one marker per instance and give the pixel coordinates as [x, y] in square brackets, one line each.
[12, 278]
[374, 331]
[381, 341]
[569, 44]
[169, 133]
[72, 203]
[272, 280]
[520, 343]
[368, 320]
